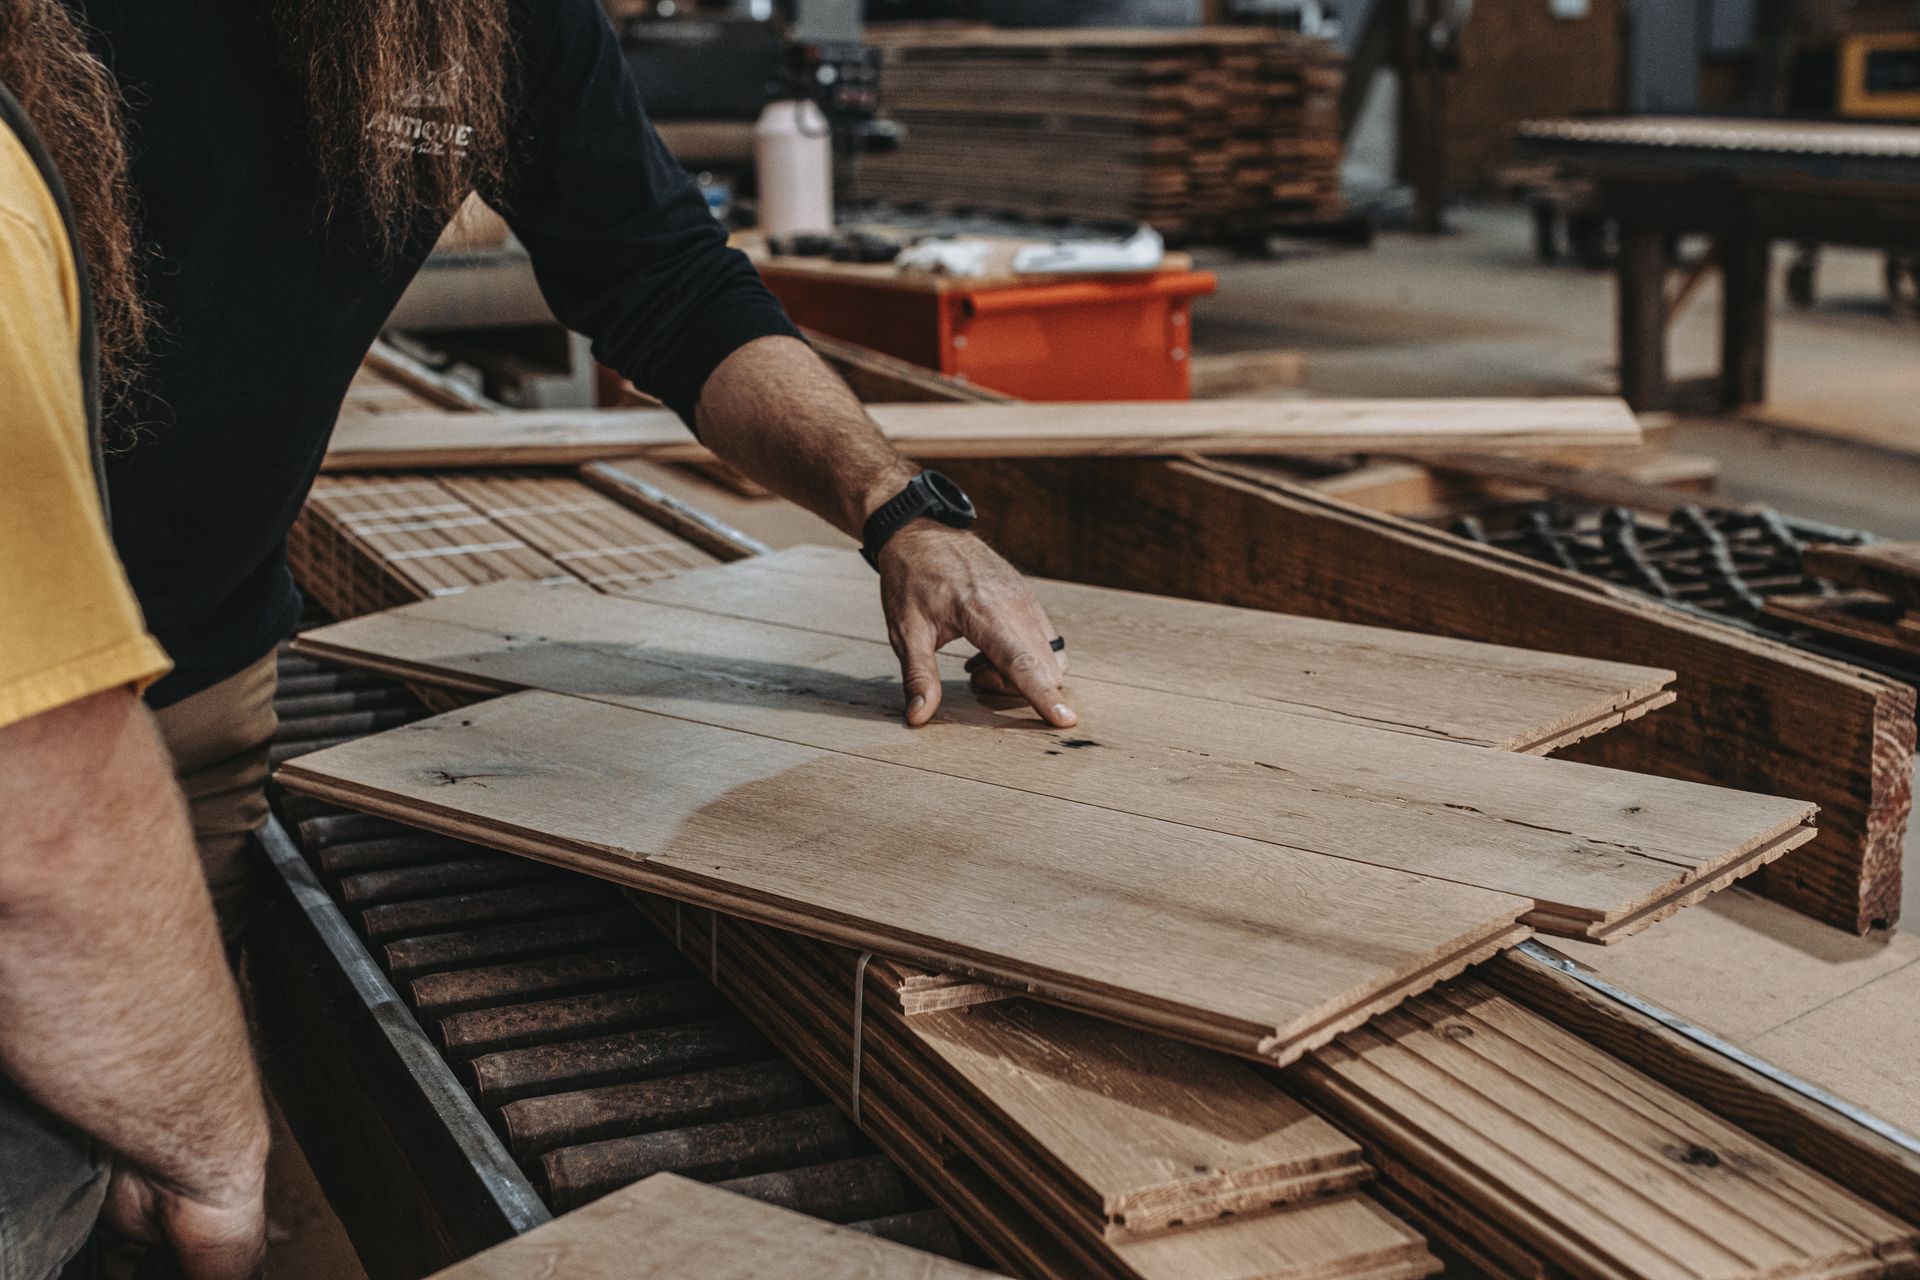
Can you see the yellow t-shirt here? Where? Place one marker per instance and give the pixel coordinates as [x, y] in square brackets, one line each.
[69, 625]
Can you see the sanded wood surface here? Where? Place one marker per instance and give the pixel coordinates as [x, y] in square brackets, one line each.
[1037, 1198]
[1754, 713]
[1599, 852]
[938, 431]
[1519, 1133]
[1891, 568]
[670, 1228]
[1488, 695]
[1227, 942]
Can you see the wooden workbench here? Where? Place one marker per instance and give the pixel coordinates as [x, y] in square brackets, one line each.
[1745, 183]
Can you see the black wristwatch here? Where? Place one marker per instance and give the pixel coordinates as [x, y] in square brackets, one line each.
[928, 494]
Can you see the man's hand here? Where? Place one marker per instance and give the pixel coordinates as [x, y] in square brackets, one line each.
[938, 585]
[778, 414]
[216, 1235]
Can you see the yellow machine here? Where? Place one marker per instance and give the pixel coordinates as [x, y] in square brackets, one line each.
[1878, 76]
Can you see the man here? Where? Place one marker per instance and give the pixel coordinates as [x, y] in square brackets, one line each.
[125, 1073]
[296, 160]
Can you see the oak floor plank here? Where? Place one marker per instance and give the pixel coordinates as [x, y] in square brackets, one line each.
[934, 431]
[1600, 852]
[671, 1228]
[1490, 695]
[1223, 941]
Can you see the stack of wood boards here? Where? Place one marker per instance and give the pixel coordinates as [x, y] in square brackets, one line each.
[365, 542]
[1522, 1149]
[669, 1228]
[1532, 1153]
[1066, 1148]
[934, 432]
[1881, 609]
[778, 785]
[1201, 132]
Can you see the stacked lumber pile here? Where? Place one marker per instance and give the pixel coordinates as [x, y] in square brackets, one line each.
[1200, 132]
[1067, 1150]
[1880, 607]
[366, 542]
[1519, 1148]
[1320, 826]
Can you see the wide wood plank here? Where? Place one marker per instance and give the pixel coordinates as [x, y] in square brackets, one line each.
[939, 431]
[1755, 714]
[1434, 686]
[1891, 568]
[1507, 1119]
[1600, 852]
[1232, 943]
[670, 1228]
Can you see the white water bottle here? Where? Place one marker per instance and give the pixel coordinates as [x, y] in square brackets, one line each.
[793, 165]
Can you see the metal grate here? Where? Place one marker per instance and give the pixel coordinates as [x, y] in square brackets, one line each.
[1724, 563]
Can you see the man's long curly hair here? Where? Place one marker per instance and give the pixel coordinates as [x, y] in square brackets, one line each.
[406, 104]
[74, 105]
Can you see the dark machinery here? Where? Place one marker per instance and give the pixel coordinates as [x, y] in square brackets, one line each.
[705, 79]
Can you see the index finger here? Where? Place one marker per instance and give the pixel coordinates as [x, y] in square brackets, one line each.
[1017, 645]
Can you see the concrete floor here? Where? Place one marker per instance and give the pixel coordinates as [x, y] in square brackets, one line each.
[1474, 313]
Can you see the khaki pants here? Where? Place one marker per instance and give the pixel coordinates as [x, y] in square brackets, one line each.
[218, 739]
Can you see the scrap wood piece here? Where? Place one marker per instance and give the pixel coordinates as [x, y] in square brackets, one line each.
[938, 431]
[1865, 617]
[1890, 568]
[1031, 1196]
[1489, 695]
[1757, 714]
[673, 1228]
[1525, 1133]
[1226, 942]
[1600, 853]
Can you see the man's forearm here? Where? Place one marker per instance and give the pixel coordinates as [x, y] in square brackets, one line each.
[117, 1011]
[776, 412]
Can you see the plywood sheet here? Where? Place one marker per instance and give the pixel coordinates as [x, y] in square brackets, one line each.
[1600, 852]
[670, 1228]
[935, 431]
[1231, 943]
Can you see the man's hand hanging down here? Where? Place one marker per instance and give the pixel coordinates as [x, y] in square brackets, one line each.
[773, 410]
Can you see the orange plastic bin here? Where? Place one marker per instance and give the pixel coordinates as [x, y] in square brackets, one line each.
[1046, 338]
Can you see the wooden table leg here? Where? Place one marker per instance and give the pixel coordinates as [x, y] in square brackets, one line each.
[1745, 260]
[1642, 273]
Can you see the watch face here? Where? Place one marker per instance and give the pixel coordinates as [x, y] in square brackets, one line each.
[949, 493]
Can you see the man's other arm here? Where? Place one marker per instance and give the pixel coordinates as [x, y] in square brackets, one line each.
[118, 1010]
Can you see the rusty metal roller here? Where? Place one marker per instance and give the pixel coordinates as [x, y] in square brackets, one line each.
[535, 1126]
[520, 1026]
[708, 1152]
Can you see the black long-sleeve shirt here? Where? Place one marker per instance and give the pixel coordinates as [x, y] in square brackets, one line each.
[265, 307]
